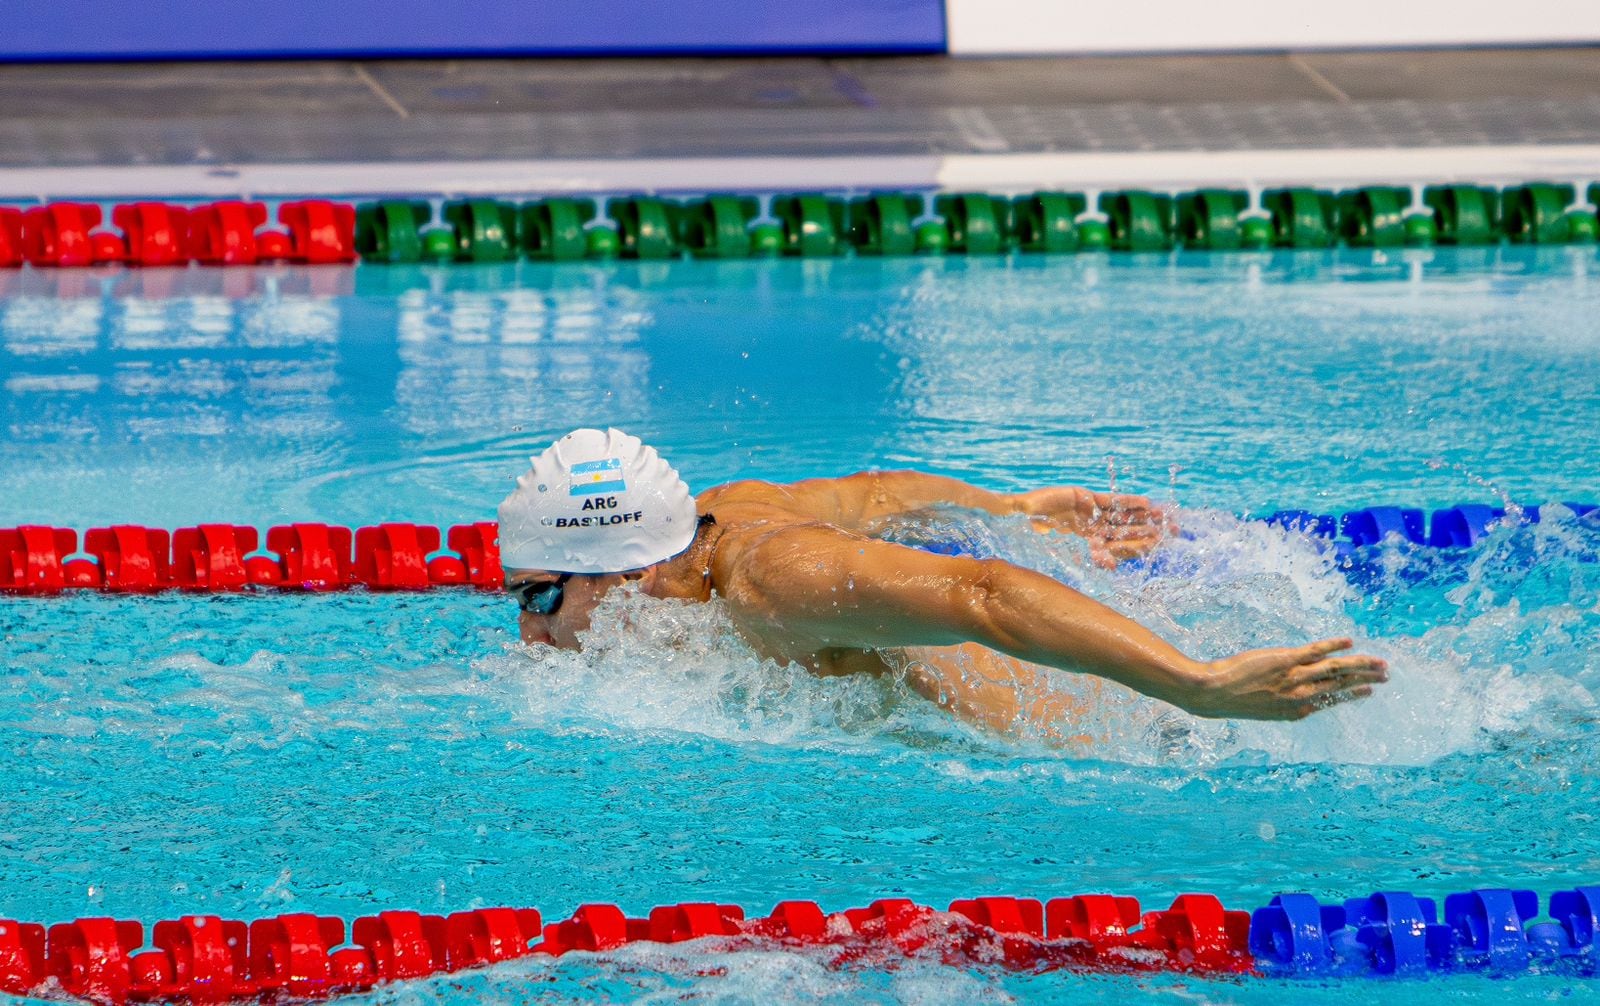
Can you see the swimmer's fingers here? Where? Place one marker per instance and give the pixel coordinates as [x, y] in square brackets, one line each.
[1313, 652]
[1328, 700]
[1127, 532]
[1343, 671]
[1130, 540]
[1328, 683]
[1122, 503]
[1078, 503]
[1117, 526]
[1133, 548]
[1070, 507]
[1090, 513]
[1287, 682]
[1115, 510]
[1109, 553]
[1118, 506]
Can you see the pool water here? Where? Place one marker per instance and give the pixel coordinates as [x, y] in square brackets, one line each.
[251, 755]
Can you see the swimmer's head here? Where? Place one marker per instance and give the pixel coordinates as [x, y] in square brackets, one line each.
[595, 502]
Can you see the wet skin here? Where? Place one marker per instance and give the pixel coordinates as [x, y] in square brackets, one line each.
[804, 583]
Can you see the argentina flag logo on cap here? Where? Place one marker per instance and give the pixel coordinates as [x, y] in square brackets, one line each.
[603, 476]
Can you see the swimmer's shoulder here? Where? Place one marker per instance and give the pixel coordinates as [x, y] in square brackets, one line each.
[747, 494]
[828, 499]
[751, 511]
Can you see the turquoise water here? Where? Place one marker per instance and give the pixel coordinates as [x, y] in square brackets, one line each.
[246, 756]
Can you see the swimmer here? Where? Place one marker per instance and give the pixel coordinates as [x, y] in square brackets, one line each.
[805, 582]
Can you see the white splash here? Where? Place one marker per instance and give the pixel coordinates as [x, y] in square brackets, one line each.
[655, 666]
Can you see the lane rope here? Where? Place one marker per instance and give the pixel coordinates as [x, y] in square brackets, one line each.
[207, 959]
[127, 558]
[234, 232]
[41, 560]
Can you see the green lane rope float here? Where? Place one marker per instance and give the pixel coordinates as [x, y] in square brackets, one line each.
[391, 231]
[1374, 217]
[1541, 213]
[979, 224]
[1302, 218]
[1139, 221]
[813, 224]
[647, 227]
[553, 230]
[486, 230]
[718, 226]
[1209, 219]
[1047, 222]
[933, 238]
[882, 224]
[1464, 214]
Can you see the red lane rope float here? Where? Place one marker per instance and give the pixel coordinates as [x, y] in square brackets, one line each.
[10, 237]
[127, 558]
[64, 235]
[202, 959]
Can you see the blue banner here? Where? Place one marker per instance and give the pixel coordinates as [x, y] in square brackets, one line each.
[180, 29]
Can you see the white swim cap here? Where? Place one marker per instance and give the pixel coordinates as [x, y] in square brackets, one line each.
[596, 503]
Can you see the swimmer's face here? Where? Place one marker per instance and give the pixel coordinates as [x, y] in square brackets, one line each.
[576, 594]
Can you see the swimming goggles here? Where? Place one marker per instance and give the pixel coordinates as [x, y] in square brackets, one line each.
[541, 597]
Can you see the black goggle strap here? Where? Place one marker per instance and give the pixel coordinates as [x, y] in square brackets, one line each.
[540, 596]
[543, 597]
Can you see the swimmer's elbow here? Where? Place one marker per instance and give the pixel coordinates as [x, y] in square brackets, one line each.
[988, 605]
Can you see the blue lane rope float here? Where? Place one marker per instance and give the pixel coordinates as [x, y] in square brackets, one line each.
[1459, 526]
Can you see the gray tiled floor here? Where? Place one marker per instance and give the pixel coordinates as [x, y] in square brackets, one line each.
[1475, 75]
[166, 113]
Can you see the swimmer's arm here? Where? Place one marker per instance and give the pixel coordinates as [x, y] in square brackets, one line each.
[1119, 526]
[993, 691]
[854, 502]
[824, 589]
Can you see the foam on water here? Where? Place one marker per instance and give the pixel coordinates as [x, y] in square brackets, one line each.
[649, 666]
[706, 972]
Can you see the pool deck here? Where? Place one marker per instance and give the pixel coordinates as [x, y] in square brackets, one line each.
[224, 118]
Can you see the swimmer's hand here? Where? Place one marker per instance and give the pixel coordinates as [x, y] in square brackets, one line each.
[1288, 683]
[1117, 526]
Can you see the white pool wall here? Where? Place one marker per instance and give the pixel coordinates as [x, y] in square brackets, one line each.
[1031, 27]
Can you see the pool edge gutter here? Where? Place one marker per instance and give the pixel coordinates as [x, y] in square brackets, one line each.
[1249, 169]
